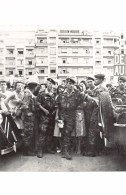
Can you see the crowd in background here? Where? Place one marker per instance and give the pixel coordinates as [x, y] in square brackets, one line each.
[59, 118]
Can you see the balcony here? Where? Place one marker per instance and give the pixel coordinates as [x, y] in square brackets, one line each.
[41, 54]
[20, 65]
[110, 44]
[40, 64]
[20, 55]
[77, 74]
[75, 54]
[79, 44]
[42, 74]
[75, 65]
[108, 55]
[10, 65]
[10, 55]
[29, 66]
[108, 65]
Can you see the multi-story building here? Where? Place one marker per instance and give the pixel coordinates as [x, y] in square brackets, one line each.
[56, 53]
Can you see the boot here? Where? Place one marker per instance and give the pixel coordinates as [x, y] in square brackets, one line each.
[40, 152]
[63, 152]
[91, 151]
[67, 155]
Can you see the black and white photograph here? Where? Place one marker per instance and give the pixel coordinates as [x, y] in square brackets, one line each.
[62, 87]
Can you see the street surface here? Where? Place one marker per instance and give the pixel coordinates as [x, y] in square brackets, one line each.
[15, 162]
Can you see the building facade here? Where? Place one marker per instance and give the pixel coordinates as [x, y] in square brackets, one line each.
[56, 53]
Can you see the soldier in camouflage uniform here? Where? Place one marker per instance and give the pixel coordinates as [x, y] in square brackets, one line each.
[46, 104]
[28, 116]
[94, 130]
[67, 103]
[120, 90]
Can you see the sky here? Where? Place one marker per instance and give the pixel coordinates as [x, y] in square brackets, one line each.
[77, 14]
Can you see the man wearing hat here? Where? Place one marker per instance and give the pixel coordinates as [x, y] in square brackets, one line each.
[90, 84]
[120, 90]
[94, 141]
[46, 105]
[67, 103]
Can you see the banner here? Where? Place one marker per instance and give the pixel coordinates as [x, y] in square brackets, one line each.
[120, 65]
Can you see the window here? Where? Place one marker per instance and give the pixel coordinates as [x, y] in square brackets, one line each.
[10, 72]
[64, 71]
[30, 62]
[109, 61]
[52, 60]
[75, 60]
[53, 71]
[1, 51]
[87, 51]
[10, 62]
[10, 51]
[110, 52]
[20, 52]
[64, 61]
[97, 52]
[122, 51]
[75, 50]
[97, 41]
[41, 41]
[87, 61]
[64, 50]
[20, 62]
[20, 72]
[42, 71]
[74, 40]
[122, 36]
[30, 73]
[1, 73]
[52, 39]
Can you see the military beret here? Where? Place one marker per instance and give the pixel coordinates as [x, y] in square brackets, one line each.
[122, 78]
[51, 80]
[90, 78]
[99, 76]
[70, 80]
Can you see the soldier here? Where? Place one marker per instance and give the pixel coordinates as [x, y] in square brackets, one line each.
[120, 90]
[46, 105]
[90, 84]
[29, 118]
[67, 103]
[94, 130]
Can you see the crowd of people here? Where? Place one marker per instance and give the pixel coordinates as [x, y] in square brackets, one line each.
[60, 118]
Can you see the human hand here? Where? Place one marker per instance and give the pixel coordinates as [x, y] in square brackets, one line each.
[46, 112]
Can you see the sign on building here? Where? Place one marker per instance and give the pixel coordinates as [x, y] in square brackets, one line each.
[120, 65]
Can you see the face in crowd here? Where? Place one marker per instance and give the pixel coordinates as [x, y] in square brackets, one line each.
[42, 88]
[90, 83]
[54, 88]
[98, 81]
[3, 86]
[19, 87]
[60, 89]
[69, 85]
[82, 86]
[49, 85]
[121, 83]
